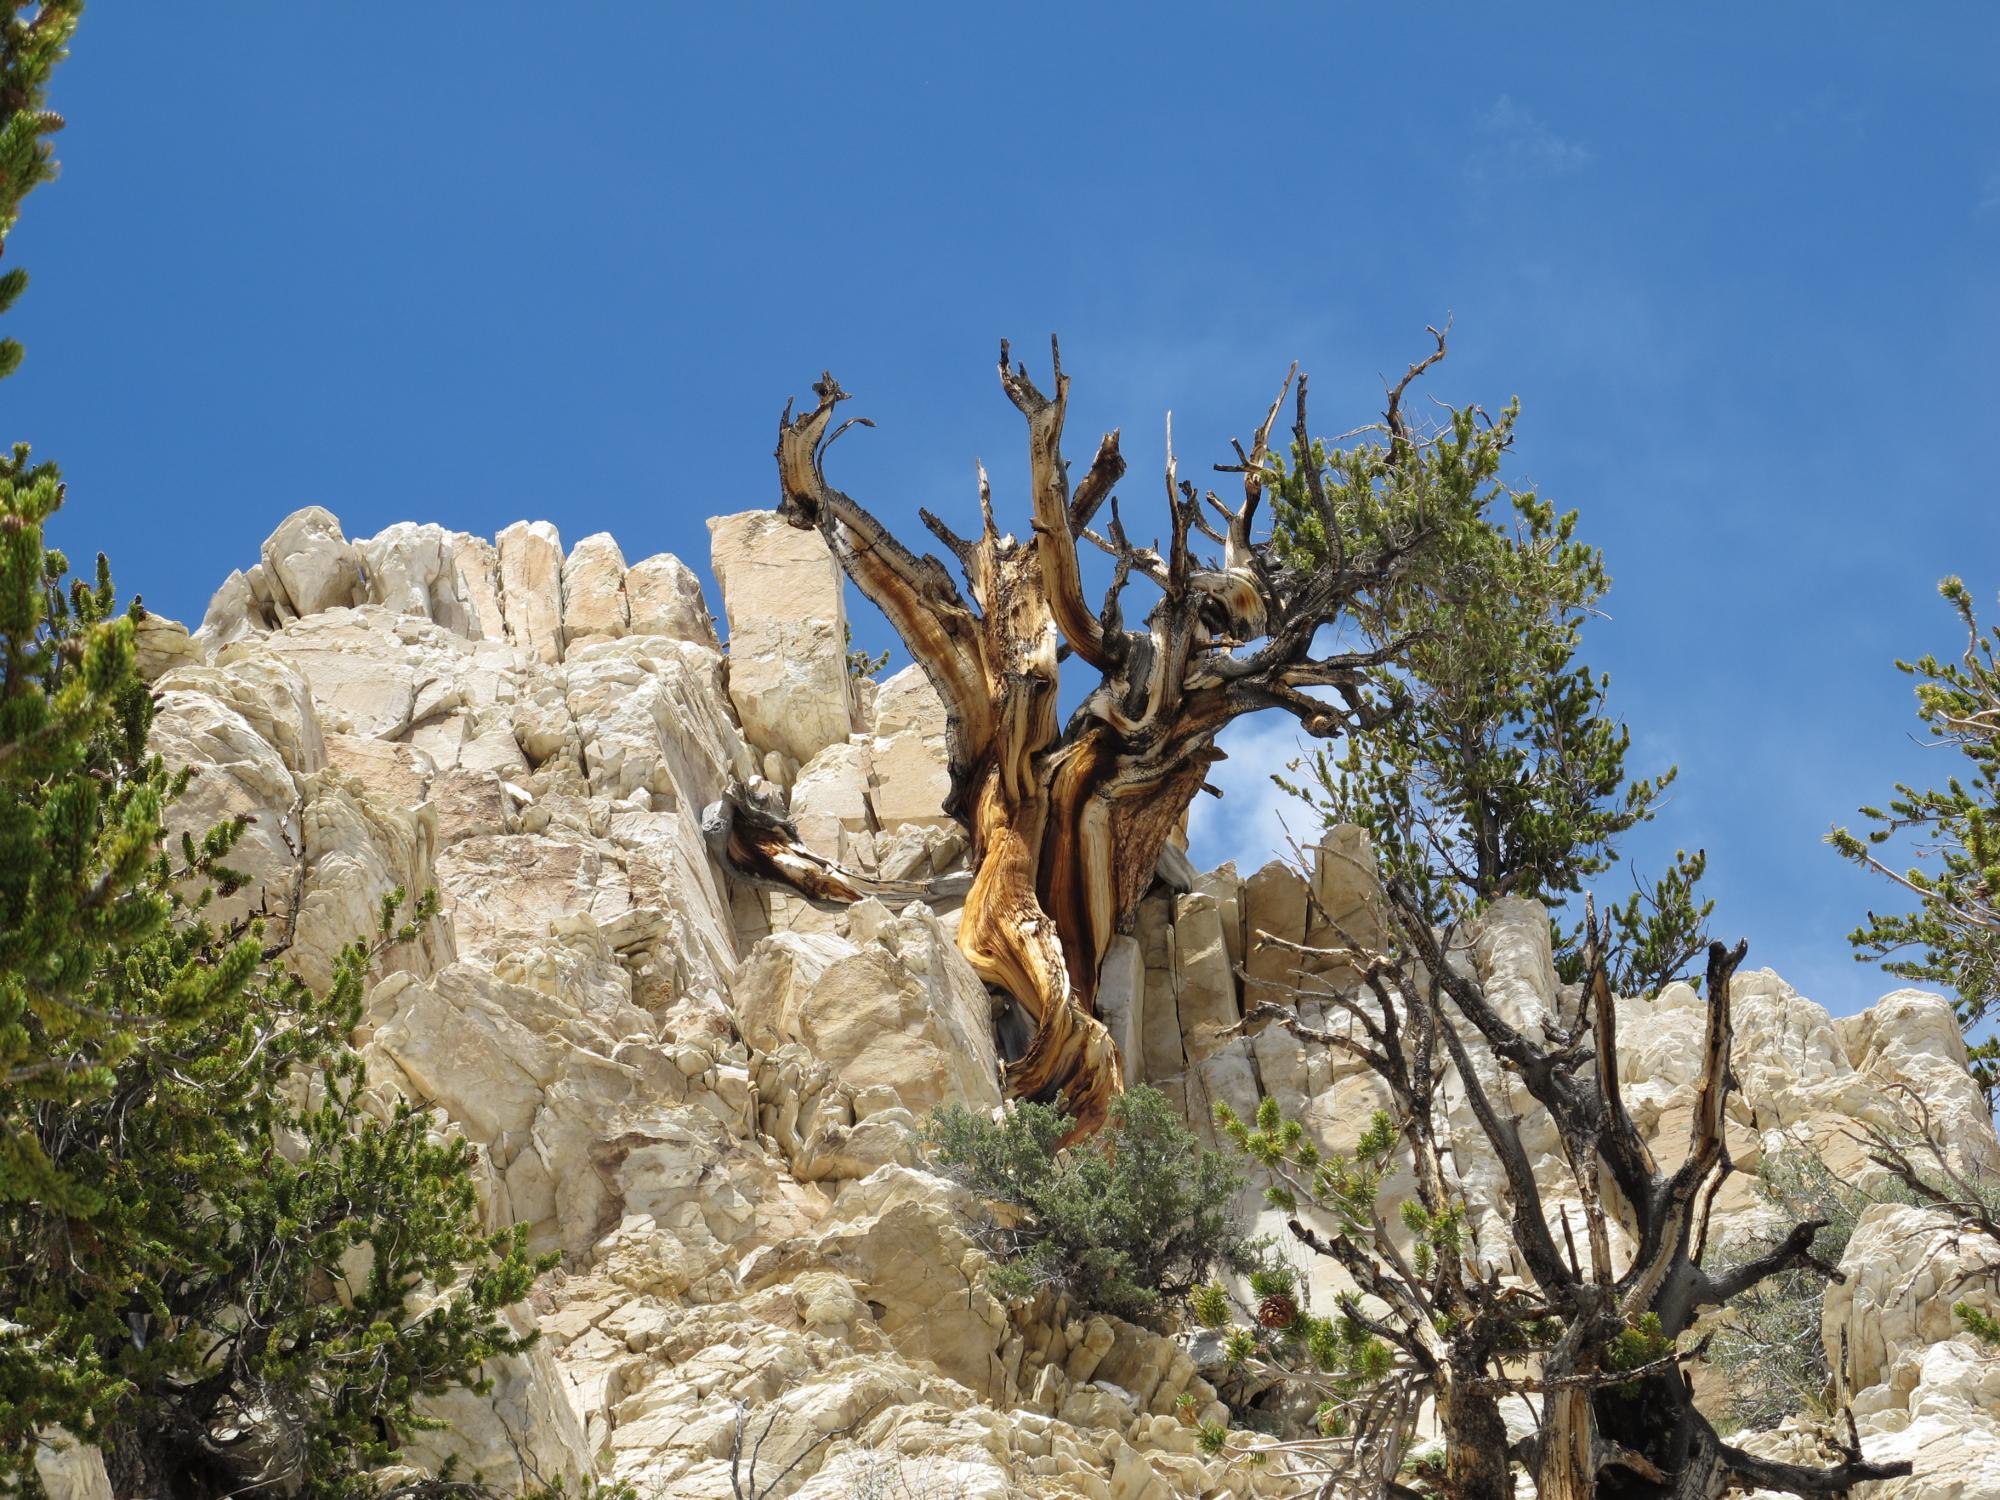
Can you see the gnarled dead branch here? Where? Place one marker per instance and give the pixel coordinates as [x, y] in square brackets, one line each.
[1068, 821]
[1598, 1343]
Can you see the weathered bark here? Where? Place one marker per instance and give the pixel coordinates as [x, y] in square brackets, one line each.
[1068, 822]
[1608, 1433]
[1616, 1417]
[1476, 1465]
[164, 1459]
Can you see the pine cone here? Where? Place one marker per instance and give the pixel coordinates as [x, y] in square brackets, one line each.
[1277, 1312]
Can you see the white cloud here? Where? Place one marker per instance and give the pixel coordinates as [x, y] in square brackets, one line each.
[1520, 147]
[1248, 822]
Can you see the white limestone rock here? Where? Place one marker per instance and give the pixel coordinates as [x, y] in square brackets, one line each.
[373, 672]
[523, 1434]
[268, 694]
[721, 1136]
[1274, 905]
[664, 597]
[478, 563]
[1511, 952]
[649, 715]
[1905, 1268]
[909, 776]
[1921, 1386]
[238, 773]
[1909, 1049]
[1205, 990]
[70, 1470]
[311, 564]
[829, 799]
[234, 612]
[1947, 1424]
[531, 564]
[357, 851]
[1787, 1054]
[787, 633]
[161, 645]
[905, 1010]
[911, 1260]
[593, 592]
[414, 570]
[1120, 1003]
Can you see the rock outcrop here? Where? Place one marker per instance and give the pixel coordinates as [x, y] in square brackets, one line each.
[707, 1096]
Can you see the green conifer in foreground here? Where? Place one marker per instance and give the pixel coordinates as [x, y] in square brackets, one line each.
[1952, 938]
[213, 1262]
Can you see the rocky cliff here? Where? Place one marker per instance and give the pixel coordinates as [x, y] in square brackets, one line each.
[705, 1094]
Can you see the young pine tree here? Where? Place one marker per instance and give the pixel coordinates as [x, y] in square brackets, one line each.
[1952, 938]
[1502, 772]
[213, 1262]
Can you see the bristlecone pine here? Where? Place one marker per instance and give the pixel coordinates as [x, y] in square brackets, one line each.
[1068, 821]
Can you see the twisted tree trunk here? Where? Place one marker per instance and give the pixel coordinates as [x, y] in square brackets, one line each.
[1068, 822]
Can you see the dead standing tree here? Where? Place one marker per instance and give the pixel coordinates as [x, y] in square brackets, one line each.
[1068, 821]
[1595, 1343]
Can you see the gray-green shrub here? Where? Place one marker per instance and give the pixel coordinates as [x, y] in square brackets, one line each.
[1129, 1223]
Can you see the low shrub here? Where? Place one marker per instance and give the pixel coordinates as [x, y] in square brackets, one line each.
[1129, 1224]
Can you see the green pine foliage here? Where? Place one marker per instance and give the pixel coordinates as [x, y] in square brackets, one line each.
[215, 1260]
[1501, 770]
[205, 1238]
[30, 48]
[860, 663]
[1130, 1224]
[1986, 1329]
[1636, 1346]
[1338, 1355]
[1952, 938]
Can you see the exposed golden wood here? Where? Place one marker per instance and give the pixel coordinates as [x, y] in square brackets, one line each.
[1067, 824]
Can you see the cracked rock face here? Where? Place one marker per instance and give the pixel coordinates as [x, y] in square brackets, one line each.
[707, 1095]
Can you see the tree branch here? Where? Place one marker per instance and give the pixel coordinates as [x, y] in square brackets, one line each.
[1790, 1253]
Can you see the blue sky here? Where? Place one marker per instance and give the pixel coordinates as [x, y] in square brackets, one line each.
[1740, 263]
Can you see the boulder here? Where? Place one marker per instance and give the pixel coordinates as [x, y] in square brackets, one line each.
[235, 612]
[531, 565]
[524, 1433]
[909, 775]
[664, 597]
[1121, 998]
[311, 565]
[904, 1011]
[1274, 905]
[829, 799]
[414, 570]
[593, 592]
[478, 563]
[70, 1470]
[1909, 1048]
[1905, 1268]
[1206, 1002]
[162, 645]
[237, 773]
[783, 594]
[1787, 1054]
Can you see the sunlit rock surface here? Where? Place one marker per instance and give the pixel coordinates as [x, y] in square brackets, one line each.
[707, 1096]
